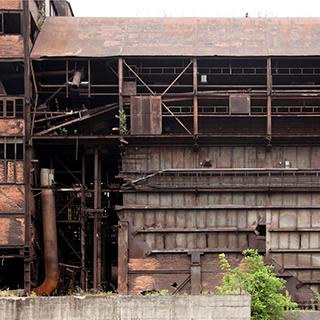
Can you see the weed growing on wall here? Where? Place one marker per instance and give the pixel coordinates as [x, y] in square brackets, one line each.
[269, 301]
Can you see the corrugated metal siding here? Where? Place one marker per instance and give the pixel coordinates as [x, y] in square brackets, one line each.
[70, 36]
[193, 216]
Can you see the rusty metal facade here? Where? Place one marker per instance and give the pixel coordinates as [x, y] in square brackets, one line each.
[173, 140]
[108, 37]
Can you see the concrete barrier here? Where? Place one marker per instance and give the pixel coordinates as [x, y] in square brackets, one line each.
[304, 315]
[126, 308]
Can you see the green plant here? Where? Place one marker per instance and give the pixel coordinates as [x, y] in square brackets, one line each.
[42, 14]
[269, 301]
[122, 121]
[7, 293]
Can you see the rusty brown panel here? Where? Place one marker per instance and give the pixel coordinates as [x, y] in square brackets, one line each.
[11, 127]
[158, 262]
[34, 10]
[10, 4]
[239, 104]
[11, 231]
[129, 88]
[146, 115]
[11, 198]
[64, 36]
[2, 172]
[11, 46]
[149, 282]
[11, 172]
[19, 172]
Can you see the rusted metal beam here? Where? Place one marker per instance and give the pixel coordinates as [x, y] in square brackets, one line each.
[123, 259]
[269, 99]
[175, 117]
[195, 97]
[217, 207]
[177, 78]
[83, 278]
[120, 82]
[97, 220]
[195, 272]
[28, 147]
[194, 230]
[139, 78]
[106, 108]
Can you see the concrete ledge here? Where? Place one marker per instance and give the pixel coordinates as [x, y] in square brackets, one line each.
[127, 308]
[304, 315]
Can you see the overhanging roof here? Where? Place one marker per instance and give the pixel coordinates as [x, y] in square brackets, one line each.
[106, 37]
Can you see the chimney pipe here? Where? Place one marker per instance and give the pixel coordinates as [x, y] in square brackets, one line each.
[75, 84]
[51, 280]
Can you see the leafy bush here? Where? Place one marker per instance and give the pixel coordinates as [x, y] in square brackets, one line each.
[269, 301]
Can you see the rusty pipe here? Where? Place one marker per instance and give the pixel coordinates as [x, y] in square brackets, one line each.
[51, 280]
[75, 84]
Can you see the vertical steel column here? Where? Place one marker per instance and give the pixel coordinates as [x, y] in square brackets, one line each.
[269, 98]
[195, 97]
[195, 271]
[97, 221]
[27, 147]
[120, 82]
[83, 279]
[123, 257]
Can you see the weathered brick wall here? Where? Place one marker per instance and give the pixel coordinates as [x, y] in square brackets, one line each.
[127, 308]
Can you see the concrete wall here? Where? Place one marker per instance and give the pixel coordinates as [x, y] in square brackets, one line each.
[305, 315]
[126, 308]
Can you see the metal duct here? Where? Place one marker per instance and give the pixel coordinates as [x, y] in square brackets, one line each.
[49, 237]
[76, 79]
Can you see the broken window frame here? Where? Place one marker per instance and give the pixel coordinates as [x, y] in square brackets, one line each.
[16, 114]
[17, 143]
[2, 23]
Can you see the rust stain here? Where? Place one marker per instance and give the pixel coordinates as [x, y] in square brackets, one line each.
[105, 37]
[11, 127]
[10, 4]
[11, 198]
[12, 231]
[11, 46]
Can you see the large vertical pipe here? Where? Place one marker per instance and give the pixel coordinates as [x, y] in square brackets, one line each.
[50, 245]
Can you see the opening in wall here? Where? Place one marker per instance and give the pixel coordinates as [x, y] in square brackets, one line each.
[10, 23]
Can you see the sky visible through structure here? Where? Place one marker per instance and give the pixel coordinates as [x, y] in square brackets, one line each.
[198, 8]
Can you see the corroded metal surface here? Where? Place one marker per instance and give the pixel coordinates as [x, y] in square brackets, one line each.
[104, 37]
[11, 127]
[10, 4]
[11, 198]
[11, 231]
[11, 46]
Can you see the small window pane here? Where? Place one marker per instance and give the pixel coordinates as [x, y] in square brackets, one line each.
[19, 155]
[10, 151]
[19, 108]
[1, 151]
[10, 108]
[1, 23]
[1, 108]
[12, 23]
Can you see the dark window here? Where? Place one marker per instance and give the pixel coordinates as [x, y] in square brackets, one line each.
[19, 155]
[11, 23]
[10, 109]
[10, 151]
[1, 150]
[1, 108]
[1, 23]
[19, 108]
